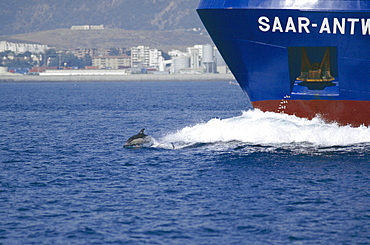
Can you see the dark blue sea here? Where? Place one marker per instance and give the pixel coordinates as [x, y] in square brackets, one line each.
[214, 172]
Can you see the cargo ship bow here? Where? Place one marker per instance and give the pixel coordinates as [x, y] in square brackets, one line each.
[304, 58]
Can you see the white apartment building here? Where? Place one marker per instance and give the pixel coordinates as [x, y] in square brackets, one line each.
[19, 48]
[111, 62]
[139, 56]
[155, 57]
[142, 56]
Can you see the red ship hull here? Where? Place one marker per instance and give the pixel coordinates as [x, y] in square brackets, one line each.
[343, 112]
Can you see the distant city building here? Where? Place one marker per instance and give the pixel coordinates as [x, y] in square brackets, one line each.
[81, 52]
[142, 56]
[18, 48]
[155, 58]
[111, 62]
[88, 27]
[103, 51]
[198, 59]
[180, 63]
[196, 47]
[177, 53]
[208, 59]
[194, 58]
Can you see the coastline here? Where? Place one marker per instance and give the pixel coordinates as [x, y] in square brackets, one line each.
[12, 78]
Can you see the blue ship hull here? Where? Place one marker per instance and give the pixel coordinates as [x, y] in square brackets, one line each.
[297, 57]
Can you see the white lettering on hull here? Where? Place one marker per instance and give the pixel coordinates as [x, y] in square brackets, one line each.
[302, 24]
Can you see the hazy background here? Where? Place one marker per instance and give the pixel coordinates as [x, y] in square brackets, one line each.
[127, 22]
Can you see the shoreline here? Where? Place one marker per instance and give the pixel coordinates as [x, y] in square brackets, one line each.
[12, 78]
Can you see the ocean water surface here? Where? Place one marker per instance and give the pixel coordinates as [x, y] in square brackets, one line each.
[215, 172]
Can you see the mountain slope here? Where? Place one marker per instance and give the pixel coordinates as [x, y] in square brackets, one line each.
[66, 38]
[19, 16]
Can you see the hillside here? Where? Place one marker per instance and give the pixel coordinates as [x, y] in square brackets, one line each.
[19, 16]
[66, 38]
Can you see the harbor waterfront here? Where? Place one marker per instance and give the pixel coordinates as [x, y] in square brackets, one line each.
[117, 78]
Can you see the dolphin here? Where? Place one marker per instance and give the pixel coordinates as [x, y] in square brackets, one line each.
[137, 140]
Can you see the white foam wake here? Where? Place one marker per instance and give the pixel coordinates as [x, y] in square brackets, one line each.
[267, 128]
